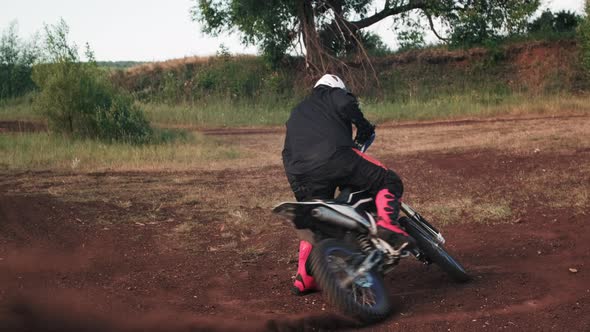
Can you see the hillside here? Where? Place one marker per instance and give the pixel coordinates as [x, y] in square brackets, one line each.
[531, 68]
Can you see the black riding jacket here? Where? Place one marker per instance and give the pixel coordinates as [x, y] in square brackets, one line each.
[321, 125]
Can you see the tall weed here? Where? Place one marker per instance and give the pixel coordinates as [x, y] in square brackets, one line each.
[584, 39]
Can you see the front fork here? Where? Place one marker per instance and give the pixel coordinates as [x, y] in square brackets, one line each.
[424, 225]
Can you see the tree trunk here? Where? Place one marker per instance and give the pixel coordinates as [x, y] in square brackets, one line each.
[319, 60]
[314, 53]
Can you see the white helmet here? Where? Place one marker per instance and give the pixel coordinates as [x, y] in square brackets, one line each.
[332, 81]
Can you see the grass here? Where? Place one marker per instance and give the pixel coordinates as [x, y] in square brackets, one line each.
[467, 209]
[18, 109]
[228, 113]
[223, 112]
[475, 105]
[571, 192]
[34, 151]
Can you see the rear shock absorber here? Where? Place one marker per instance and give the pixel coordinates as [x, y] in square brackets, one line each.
[364, 243]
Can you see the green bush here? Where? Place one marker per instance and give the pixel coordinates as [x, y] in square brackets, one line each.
[171, 88]
[122, 121]
[78, 99]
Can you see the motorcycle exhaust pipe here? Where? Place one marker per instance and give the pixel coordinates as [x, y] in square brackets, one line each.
[325, 214]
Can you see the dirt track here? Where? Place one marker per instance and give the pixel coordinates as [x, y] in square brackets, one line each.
[74, 258]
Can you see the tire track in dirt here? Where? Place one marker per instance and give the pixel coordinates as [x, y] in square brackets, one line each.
[64, 311]
[35, 311]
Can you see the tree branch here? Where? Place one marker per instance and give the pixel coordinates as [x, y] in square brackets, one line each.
[432, 26]
[387, 11]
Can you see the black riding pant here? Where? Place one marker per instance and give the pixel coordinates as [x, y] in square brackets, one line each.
[347, 168]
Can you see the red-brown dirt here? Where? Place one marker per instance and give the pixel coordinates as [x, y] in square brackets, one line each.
[21, 126]
[63, 268]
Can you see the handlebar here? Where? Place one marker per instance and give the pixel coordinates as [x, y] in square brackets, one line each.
[368, 143]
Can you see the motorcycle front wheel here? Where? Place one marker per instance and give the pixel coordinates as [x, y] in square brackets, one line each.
[365, 298]
[435, 252]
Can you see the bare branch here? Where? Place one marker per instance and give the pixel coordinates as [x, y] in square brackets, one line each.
[364, 57]
[431, 22]
[388, 11]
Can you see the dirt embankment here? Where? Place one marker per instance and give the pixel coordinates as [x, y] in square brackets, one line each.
[531, 67]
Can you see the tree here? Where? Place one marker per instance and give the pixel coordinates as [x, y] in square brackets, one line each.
[485, 21]
[322, 28]
[566, 21]
[550, 23]
[16, 60]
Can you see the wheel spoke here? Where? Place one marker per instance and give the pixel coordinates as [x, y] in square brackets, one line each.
[360, 288]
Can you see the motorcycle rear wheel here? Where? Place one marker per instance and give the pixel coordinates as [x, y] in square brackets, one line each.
[366, 297]
[435, 252]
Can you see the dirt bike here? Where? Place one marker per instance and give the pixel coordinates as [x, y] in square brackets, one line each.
[349, 260]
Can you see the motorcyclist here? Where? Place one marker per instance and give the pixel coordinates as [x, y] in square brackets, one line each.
[320, 155]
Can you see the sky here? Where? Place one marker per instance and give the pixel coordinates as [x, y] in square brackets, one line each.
[148, 30]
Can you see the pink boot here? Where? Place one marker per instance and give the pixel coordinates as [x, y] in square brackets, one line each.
[389, 230]
[304, 282]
